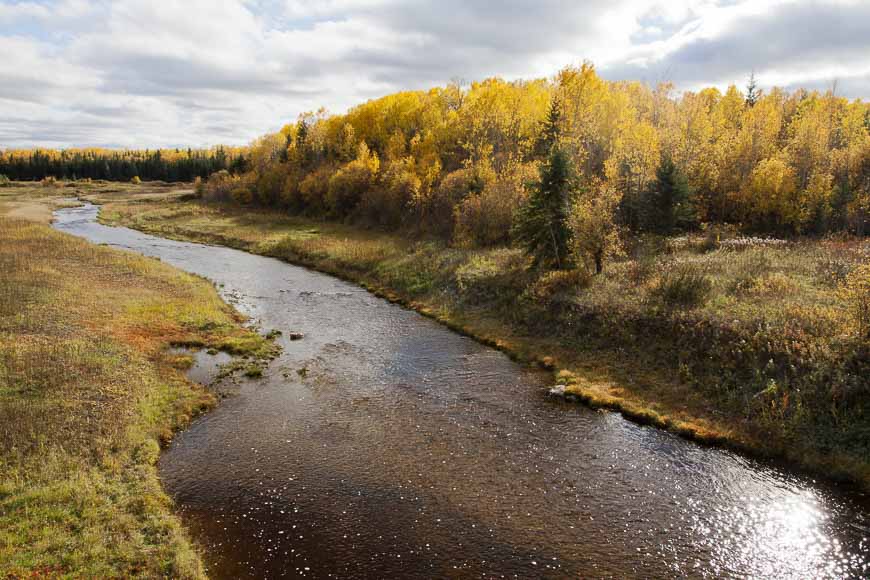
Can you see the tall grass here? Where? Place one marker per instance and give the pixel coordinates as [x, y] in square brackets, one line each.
[86, 395]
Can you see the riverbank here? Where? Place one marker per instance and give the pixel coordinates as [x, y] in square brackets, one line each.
[766, 364]
[89, 392]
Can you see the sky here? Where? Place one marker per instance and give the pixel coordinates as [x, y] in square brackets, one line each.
[178, 73]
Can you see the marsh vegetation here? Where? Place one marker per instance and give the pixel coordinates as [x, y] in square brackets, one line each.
[89, 391]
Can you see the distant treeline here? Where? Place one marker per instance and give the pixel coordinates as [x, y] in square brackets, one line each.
[113, 165]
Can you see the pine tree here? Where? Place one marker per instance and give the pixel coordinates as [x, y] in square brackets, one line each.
[552, 128]
[667, 204]
[541, 225]
[752, 91]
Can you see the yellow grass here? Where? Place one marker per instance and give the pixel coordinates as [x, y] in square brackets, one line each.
[87, 395]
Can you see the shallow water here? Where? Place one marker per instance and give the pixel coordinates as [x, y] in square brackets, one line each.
[384, 445]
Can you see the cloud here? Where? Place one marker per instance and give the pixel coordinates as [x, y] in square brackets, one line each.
[784, 42]
[22, 10]
[142, 74]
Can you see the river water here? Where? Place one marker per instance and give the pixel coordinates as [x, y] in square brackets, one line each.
[384, 445]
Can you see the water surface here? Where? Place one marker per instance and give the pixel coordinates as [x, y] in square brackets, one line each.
[384, 445]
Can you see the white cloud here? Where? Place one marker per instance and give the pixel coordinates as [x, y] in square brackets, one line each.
[144, 73]
[10, 12]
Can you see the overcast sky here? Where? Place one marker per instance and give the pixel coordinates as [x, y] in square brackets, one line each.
[147, 73]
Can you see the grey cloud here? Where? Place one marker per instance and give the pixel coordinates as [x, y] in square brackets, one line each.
[211, 93]
[797, 36]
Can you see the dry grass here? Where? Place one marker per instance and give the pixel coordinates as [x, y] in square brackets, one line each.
[87, 394]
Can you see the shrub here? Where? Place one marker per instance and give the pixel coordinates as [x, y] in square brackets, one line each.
[833, 270]
[386, 204]
[219, 186]
[49, 181]
[558, 282]
[855, 293]
[241, 194]
[594, 234]
[269, 185]
[683, 285]
[4, 181]
[499, 275]
[313, 189]
[754, 266]
[435, 213]
[198, 186]
[485, 218]
[135, 180]
[348, 185]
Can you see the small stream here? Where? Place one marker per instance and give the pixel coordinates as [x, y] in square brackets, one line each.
[385, 445]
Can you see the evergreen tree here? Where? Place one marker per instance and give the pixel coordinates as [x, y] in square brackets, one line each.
[552, 128]
[753, 93]
[667, 205]
[541, 225]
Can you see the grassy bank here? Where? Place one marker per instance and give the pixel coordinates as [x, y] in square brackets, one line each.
[88, 393]
[760, 355]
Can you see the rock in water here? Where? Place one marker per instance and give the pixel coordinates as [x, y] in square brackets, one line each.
[558, 390]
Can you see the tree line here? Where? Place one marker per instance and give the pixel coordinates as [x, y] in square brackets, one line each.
[463, 162]
[158, 164]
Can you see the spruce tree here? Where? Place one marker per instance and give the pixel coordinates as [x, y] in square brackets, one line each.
[667, 205]
[552, 127]
[541, 225]
[752, 91]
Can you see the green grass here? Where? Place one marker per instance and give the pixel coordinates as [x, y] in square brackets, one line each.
[88, 393]
[746, 343]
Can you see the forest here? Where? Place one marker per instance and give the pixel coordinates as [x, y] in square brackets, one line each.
[154, 165]
[461, 162]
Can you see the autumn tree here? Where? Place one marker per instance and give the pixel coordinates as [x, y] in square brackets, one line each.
[594, 229]
[348, 185]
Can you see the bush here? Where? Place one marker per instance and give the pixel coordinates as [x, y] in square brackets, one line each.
[435, 214]
[219, 186]
[313, 189]
[49, 182]
[241, 194]
[348, 185]
[269, 185]
[4, 181]
[855, 294]
[135, 180]
[683, 285]
[496, 276]
[346, 188]
[386, 205]
[198, 186]
[559, 282]
[485, 218]
[833, 270]
[595, 235]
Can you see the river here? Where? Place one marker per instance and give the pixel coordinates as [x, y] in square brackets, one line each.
[385, 445]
